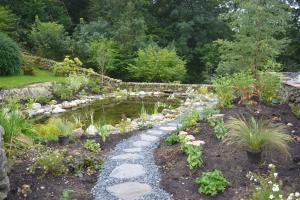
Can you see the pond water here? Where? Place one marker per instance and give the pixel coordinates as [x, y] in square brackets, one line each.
[111, 111]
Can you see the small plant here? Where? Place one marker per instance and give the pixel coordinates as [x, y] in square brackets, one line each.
[104, 132]
[29, 102]
[219, 127]
[123, 125]
[194, 156]
[92, 146]
[81, 164]
[256, 134]
[143, 113]
[224, 88]
[269, 84]
[155, 109]
[65, 195]
[295, 110]
[190, 119]
[203, 90]
[50, 162]
[172, 139]
[64, 127]
[212, 182]
[269, 186]
[244, 86]
[209, 112]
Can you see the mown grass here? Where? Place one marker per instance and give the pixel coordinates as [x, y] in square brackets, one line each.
[22, 80]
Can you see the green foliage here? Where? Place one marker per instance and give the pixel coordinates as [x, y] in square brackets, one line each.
[50, 162]
[172, 139]
[212, 182]
[219, 127]
[158, 65]
[64, 127]
[65, 195]
[244, 85]
[94, 86]
[143, 113]
[48, 131]
[28, 70]
[190, 119]
[104, 132]
[194, 156]
[270, 85]
[259, 29]
[225, 91]
[10, 56]
[8, 20]
[49, 39]
[209, 112]
[67, 67]
[123, 125]
[256, 134]
[295, 110]
[92, 146]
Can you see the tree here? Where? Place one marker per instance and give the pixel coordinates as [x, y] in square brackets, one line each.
[259, 28]
[8, 21]
[158, 64]
[103, 53]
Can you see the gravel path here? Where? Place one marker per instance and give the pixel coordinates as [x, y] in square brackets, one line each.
[129, 172]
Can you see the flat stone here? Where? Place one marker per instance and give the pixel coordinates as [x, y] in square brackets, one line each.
[141, 144]
[148, 138]
[129, 190]
[155, 132]
[132, 150]
[168, 128]
[127, 156]
[128, 171]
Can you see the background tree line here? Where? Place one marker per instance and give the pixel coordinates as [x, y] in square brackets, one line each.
[142, 40]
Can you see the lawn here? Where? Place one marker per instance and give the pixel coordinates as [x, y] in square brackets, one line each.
[21, 80]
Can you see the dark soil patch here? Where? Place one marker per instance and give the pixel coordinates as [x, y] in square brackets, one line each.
[51, 187]
[178, 180]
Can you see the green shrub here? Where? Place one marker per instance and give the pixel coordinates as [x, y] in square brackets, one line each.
[49, 39]
[224, 89]
[219, 128]
[269, 84]
[212, 183]
[51, 162]
[48, 131]
[256, 134]
[67, 66]
[92, 146]
[244, 85]
[155, 64]
[28, 70]
[94, 86]
[8, 21]
[209, 112]
[172, 139]
[295, 110]
[10, 56]
[189, 119]
[104, 132]
[194, 156]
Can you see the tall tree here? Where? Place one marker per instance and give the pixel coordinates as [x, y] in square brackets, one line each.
[259, 28]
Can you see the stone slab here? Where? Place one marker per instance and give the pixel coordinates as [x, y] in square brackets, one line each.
[128, 171]
[129, 190]
[155, 132]
[148, 138]
[168, 128]
[141, 144]
[133, 150]
[127, 156]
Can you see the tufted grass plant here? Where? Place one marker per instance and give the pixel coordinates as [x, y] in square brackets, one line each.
[257, 134]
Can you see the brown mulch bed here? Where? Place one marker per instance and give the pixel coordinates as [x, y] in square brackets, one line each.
[179, 180]
[51, 187]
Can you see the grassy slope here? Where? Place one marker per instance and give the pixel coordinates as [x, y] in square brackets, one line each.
[21, 80]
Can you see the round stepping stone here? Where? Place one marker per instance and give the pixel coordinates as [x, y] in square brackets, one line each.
[168, 128]
[127, 156]
[155, 132]
[129, 190]
[141, 144]
[148, 138]
[128, 171]
[132, 150]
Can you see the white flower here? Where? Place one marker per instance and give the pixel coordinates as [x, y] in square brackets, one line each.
[270, 182]
[271, 166]
[271, 196]
[280, 196]
[275, 188]
[183, 133]
[255, 180]
[190, 137]
[275, 174]
[297, 194]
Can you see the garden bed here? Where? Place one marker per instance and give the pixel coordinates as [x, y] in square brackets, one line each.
[179, 180]
[52, 187]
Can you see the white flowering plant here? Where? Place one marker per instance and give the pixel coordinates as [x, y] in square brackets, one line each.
[268, 186]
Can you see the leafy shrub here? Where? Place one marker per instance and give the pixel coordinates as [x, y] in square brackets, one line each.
[268, 186]
[42, 100]
[10, 56]
[84, 164]
[244, 85]
[256, 134]
[67, 66]
[295, 110]
[104, 132]
[190, 119]
[194, 156]
[123, 125]
[92, 146]
[212, 183]
[48, 131]
[94, 86]
[219, 127]
[155, 64]
[65, 127]
[269, 84]
[225, 90]
[172, 139]
[28, 70]
[51, 162]
[209, 112]
[49, 39]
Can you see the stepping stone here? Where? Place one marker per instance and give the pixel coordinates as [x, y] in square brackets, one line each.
[129, 190]
[168, 128]
[148, 138]
[127, 156]
[155, 132]
[141, 143]
[132, 150]
[128, 171]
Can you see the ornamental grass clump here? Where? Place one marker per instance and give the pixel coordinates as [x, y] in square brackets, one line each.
[255, 135]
